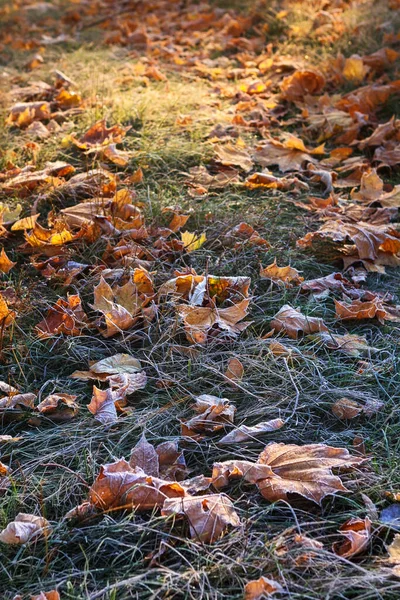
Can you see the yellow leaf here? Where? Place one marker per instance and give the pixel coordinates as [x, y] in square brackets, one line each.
[192, 241]
[27, 223]
[5, 263]
[354, 69]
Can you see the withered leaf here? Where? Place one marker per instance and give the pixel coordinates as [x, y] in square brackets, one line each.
[345, 408]
[196, 288]
[244, 433]
[230, 155]
[5, 263]
[25, 528]
[292, 322]
[59, 407]
[51, 595]
[66, 316]
[199, 321]
[144, 455]
[357, 533]
[351, 344]
[118, 485]
[258, 589]
[286, 276]
[284, 469]
[234, 371]
[365, 310]
[289, 155]
[102, 404]
[302, 83]
[208, 516]
[213, 413]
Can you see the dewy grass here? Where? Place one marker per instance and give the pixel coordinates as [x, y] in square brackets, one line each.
[124, 555]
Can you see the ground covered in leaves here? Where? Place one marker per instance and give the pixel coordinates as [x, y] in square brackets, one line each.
[199, 299]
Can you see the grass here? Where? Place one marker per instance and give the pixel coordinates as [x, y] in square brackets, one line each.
[126, 555]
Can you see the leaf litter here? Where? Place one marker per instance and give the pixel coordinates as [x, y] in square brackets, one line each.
[315, 135]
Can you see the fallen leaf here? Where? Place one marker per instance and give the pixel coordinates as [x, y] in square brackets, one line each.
[123, 306]
[351, 344]
[230, 155]
[289, 155]
[282, 275]
[344, 408]
[302, 83]
[208, 516]
[5, 263]
[199, 321]
[394, 554]
[116, 364]
[284, 469]
[118, 485]
[258, 589]
[357, 533]
[51, 595]
[25, 528]
[213, 414]
[234, 371]
[372, 243]
[7, 316]
[65, 317]
[364, 310]
[292, 322]
[197, 288]
[354, 69]
[244, 433]
[192, 241]
[100, 135]
[164, 460]
[59, 408]
[102, 404]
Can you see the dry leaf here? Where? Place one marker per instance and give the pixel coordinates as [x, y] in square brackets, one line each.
[351, 344]
[102, 404]
[118, 485]
[192, 241]
[289, 155]
[354, 69]
[213, 414]
[59, 407]
[66, 316]
[208, 516]
[357, 533]
[7, 316]
[284, 469]
[344, 408]
[258, 589]
[5, 263]
[123, 306]
[197, 288]
[244, 433]
[394, 550]
[282, 275]
[302, 83]
[234, 371]
[100, 135]
[374, 243]
[365, 310]
[51, 595]
[25, 528]
[164, 460]
[292, 322]
[117, 364]
[199, 321]
[230, 155]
